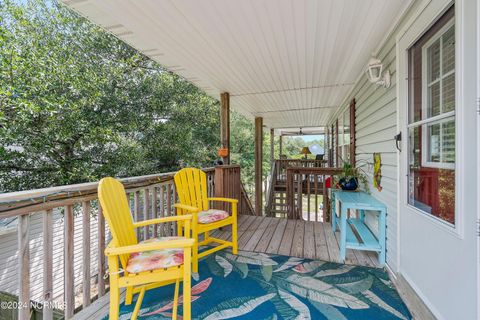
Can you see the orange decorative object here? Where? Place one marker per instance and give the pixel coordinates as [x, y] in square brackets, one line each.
[223, 152]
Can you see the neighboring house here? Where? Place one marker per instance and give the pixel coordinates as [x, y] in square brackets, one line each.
[9, 254]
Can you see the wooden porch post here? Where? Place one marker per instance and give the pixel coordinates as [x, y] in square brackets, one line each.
[225, 124]
[280, 147]
[272, 146]
[258, 165]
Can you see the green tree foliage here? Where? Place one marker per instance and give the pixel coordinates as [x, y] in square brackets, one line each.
[77, 104]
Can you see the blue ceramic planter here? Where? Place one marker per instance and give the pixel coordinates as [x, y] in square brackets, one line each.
[349, 185]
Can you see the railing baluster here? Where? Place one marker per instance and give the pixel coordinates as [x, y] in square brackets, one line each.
[162, 210]
[86, 252]
[48, 264]
[24, 266]
[68, 290]
[136, 212]
[299, 196]
[326, 204]
[169, 207]
[101, 252]
[129, 199]
[155, 210]
[308, 195]
[146, 212]
[315, 177]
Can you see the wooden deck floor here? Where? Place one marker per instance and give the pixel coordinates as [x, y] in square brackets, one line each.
[297, 238]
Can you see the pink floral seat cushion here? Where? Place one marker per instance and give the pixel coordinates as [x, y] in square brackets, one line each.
[156, 259]
[211, 215]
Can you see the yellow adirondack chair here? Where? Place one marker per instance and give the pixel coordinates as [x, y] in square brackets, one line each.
[191, 186]
[145, 265]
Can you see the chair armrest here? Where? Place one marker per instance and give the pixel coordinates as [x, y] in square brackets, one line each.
[150, 246]
[223, 200]
[186, 207]
[162, 220]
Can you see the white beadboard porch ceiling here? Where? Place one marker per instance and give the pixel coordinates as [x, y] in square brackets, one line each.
[291, 62]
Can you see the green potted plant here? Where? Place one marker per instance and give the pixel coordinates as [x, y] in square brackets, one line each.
[351, 177]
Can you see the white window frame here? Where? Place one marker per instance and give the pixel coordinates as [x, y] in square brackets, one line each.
[403, 89]
[442, 117]
[343, 144]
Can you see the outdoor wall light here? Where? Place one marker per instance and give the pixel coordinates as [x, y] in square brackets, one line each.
[374, 73]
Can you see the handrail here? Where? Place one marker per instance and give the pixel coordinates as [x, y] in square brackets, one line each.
[325, 171]
[249, 210]
[19, 202]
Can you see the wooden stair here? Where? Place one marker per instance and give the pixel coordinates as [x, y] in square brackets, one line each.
[278, 206]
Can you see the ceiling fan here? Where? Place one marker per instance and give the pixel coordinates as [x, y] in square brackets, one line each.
[293, 133]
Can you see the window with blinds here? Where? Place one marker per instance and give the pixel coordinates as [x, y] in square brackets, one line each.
[431, 136]
[439, 98]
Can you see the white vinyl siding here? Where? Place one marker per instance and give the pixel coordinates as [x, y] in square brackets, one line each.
[376, 125]
[9, 256]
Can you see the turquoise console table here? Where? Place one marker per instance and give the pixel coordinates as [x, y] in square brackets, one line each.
[354, 233]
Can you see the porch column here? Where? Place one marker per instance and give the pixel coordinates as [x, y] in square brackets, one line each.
[258, 165]
[225, 124]
[280, 149]
[272, 146]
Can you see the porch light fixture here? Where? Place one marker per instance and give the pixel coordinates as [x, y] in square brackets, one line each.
[374, 73]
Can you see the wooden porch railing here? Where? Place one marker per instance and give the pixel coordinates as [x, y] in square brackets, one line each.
[149, 196]
[276, 191]
[283, 164]
[302, 184]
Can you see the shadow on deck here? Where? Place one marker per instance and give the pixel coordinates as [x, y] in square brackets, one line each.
[296, 238]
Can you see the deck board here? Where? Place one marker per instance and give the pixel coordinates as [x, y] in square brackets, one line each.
[257, 235]
[286, 243]
[249, 229]
[298, 239]
[277, 236]
[264, 242]
[321, 249]
[332, 245]
[309, 241]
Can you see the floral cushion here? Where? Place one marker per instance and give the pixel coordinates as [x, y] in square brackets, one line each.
[211, 215]
[156, 259]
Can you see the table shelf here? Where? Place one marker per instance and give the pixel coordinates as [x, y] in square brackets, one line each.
[367, 240]
[354, 233]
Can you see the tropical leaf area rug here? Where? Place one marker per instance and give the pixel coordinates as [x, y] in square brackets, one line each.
[261, 286]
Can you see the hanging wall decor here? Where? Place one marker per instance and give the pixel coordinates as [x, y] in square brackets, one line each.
[377, 171]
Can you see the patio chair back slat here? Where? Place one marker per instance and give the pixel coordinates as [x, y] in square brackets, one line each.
[113, 200]
[192, 187]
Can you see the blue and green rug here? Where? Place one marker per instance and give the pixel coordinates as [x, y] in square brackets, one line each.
[261, 286]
